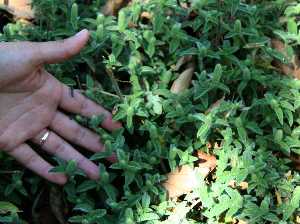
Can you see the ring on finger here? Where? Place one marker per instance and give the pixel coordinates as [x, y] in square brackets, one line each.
[44, 138]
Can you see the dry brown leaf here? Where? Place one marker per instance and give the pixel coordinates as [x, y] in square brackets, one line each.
[204, 160]
[184, 80]
[181, 61]
[293, 67]
[241, 186]
[58, 203]
[215, 105]
[183, 179]
[180, 181]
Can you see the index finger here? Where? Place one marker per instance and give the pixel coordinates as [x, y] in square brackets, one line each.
[76, 103]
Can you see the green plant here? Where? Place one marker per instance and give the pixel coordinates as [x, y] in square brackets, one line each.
[236, 98]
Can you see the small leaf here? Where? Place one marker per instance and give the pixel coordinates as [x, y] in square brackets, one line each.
[288, 212]
[175, 42]
[119, 115]
[241, 176]
[242, 134]
[87, 185]
[109, 189]
[279, 114]
[148, 217]
[158, 22]
[57, 169]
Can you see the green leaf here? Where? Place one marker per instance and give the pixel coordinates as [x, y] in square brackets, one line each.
[192, 51]
[250, 32]
[157, 146]
[288, 212]
[129, 121]
[242, 86]
[247, 159]
[131, 35]
[271, 217]
[67, 81]
[241, 176]
[117, 132]
[220, 122]
[98, 155]
[109, 189]
[296, 197]
[198, 22]
[98, 213]
[204, 88]
[7, 207]
[289, 52]
[253, 126]
[87, 185]
[286, 105]
[148, 217]
[279, 55]
[76, 218]
[89, 81]
[175, 42]
[83, 207]
[80, 171]
[242, 134]
[279, 114]
[222, 87]
[60, 161]
[119, 115]
[60, 32]
[57, 169]
[147, 70]
[158, 22]
[129, 177]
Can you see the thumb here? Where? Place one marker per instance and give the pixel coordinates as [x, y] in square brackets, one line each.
[59, 51]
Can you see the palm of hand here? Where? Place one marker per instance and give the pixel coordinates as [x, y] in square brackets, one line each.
[29, 97]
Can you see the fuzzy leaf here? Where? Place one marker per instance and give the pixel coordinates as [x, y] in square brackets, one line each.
[87, 185]
[175, 42]
[148, 217]
[279, 114]
[241, 176]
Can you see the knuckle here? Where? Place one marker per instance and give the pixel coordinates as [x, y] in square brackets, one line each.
[84, 106]
[80, 134]
[58, 150]
[32, 160]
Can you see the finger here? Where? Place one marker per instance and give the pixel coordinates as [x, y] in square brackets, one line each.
[30, 159]
[76, 103]
[69, 129]
[58, 147]
[58, 51]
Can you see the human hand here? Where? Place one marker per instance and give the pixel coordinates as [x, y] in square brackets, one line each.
[29, 97]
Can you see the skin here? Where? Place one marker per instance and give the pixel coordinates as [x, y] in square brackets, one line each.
[29, 102]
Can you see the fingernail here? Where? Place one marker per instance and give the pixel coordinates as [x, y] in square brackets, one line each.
[79, 33]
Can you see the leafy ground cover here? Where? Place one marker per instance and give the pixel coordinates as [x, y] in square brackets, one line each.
[210, 107]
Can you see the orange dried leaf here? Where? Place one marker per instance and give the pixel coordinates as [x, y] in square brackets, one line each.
[215, 105]
[183, 179]
[293, 67]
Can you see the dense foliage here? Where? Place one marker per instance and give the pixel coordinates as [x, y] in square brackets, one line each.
[236, 98]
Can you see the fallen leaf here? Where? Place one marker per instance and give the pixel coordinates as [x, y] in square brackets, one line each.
[183, 179]
[241, 186]
[215, 105]
[180, 181]
[112, 8]
[46, 216]
[204, 160]
[19, 8]
[293, 67]
[184, 80]
[58, 203]
[181, 61]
